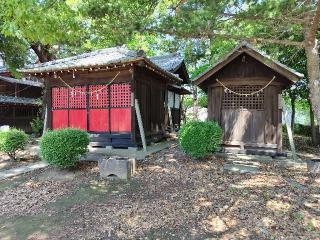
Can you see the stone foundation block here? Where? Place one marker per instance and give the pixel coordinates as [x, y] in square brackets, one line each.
[121, 167]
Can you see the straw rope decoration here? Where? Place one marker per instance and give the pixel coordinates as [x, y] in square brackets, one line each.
[246, 94]
[81, 92]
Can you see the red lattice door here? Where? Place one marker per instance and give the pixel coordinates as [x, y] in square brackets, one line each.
[78, 107]
[59, 97]
[120, 111]
[99, 108]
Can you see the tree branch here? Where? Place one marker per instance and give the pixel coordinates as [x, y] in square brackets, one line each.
[177, 7]
[262, 40]
[284, 19]
[210, 35]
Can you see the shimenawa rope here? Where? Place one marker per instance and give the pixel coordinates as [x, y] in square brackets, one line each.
[246, 94]
[81, 92]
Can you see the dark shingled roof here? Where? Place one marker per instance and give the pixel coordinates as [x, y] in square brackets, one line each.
[169, 62]
[19, 100]
[116, 55]
[92, 59]
[286, 71]
[21, 81]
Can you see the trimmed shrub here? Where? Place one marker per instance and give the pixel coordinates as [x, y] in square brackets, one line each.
[199, 139]
[12, 141]
[64, 147]
[37, 125]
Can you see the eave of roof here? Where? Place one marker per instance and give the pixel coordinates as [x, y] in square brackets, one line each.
[21, 81]
[282, 69]
[172, 63]
[19, 100]
[181, 90]
[96, 59]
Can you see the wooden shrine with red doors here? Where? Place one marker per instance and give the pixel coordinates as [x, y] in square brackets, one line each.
[96, 92]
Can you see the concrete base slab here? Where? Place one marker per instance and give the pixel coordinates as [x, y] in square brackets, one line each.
[241, 168]
[133, 149]
[96, 154]
[20, 170]
[251, 163]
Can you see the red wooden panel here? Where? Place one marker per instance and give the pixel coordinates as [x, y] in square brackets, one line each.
[120, 95]
[98, 96]
[99, 120]
[59, 119]
[120, 119]
[77, 97]
[59, 97]
[78, 119]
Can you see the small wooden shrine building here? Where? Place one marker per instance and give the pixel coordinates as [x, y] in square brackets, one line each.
[19, 101]
[97, 92]
[244, 97]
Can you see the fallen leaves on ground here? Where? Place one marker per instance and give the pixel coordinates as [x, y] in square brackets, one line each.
[170, 197]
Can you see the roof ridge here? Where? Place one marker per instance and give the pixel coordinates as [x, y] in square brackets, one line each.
[252, 48]
[84, 55]
[166, 56]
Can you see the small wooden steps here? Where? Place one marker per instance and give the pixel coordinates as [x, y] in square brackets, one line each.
[115, 140]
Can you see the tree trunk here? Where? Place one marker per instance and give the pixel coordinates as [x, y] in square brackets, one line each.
[312, 53]
[43, 52]
[195, 102]
[311, 47]
[293, 110]
[313, 127]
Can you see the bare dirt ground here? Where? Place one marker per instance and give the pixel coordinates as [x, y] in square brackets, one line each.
[304, 146]
[170, 197]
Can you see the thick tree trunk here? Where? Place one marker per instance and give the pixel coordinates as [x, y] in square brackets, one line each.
[43, 52]
[314, 138]
[44, 55]
[311, 47]
[312, 53]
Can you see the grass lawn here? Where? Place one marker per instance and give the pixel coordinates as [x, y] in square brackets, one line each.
[170, 197]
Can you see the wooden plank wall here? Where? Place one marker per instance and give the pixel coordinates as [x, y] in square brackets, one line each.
[271, 114]
[215, 96]
[150, 92]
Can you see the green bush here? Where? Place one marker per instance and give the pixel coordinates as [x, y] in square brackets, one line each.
[64, 147]
[12, 141]
[300, 129]
[37, 125]
[199, 139]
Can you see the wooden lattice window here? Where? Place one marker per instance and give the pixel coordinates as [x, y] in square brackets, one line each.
[98, 96]
[59, 97]
[120, 95]
[77, 97]
[234, 101]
